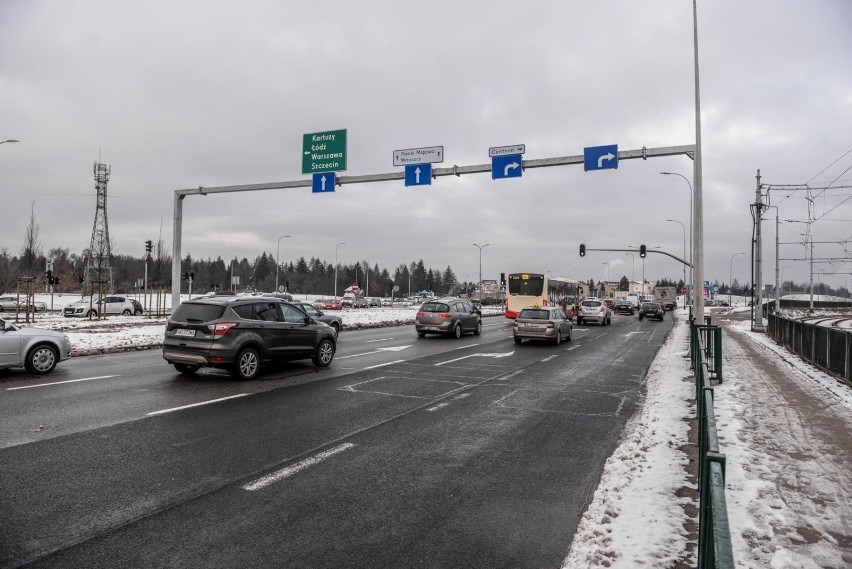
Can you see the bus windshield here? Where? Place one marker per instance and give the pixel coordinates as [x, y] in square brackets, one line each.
[526, 284]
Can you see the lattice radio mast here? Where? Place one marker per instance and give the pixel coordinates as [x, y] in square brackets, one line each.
[98, 271]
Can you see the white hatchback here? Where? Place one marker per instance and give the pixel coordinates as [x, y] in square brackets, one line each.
[90, 307]
[594, 310]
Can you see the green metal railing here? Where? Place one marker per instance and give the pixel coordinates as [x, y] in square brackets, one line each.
[714, 533]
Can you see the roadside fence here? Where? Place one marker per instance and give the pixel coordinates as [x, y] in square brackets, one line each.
[827, 347]
[714, 533]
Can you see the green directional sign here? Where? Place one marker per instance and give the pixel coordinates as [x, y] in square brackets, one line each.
[324, 152]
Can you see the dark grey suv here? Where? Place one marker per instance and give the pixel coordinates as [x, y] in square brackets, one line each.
[239, 333]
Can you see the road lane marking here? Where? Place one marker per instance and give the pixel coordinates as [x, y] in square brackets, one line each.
[265, 481]
[445, 403]
[61, 382]
[574, 347]
[379, 340]
[383, 365]
[356, 355]
[548, 358]
[196, 404]
[495, 355]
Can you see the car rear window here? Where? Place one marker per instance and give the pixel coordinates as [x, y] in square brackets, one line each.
[192, 312]
[534, 314]
[435, 307]
[591, 303]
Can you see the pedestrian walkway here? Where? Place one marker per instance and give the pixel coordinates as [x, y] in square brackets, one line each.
[786, 430]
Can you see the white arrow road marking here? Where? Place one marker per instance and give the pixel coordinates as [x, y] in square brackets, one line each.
[298, 467]
[607, 156]
[510, 166]
[499, 355]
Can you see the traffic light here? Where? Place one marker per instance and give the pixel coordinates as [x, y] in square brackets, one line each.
[185, 276]
[48, 275]
[643, 251]
[148, 246]
[192, 276]
[503, 279]
[82, 279]
[286, 285]
[582, 249]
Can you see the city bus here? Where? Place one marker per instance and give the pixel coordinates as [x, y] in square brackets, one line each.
[528, 289]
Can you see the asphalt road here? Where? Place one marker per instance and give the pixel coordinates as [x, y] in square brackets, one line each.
[406, 452]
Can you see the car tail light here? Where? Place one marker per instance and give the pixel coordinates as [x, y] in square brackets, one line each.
[602, 309]
[551, 325]
[220, 329]
[421, 314]
[445, 316]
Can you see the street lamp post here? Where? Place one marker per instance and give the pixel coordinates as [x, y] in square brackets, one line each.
[684, 245]
[633, 275]
[481, 247]
[731, 275]
[691, 288]
[367, 270]
[335, 268]
[10, 140]
[278, 259]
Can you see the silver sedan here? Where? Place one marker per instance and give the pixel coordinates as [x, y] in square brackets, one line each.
[542, 323]
[36, 349]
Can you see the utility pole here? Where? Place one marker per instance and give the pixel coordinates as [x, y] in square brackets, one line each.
[758, 265]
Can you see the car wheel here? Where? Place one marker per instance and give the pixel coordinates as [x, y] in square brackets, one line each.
[324, 353]
[248, 364]
[457, 331]
[518, 340]
[42, 359]
[186, 369]
[126, 312]
[92, 314]
[579, 321]
[478, 330]
[641, 316]
[558, 338]
[421, 334]
[570, 333]
[336, 327]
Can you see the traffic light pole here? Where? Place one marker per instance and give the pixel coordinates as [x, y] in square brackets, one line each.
[675, 257]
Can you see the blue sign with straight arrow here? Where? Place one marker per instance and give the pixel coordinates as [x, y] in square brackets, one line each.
[600, 157]
[323, 182]
[509, 166]
[418, 174]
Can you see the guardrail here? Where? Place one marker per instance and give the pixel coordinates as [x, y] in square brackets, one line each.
[826, 347]
[714, 533]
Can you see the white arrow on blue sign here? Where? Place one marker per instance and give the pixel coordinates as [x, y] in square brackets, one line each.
[600, 157]
[323, 182]
[418, 174]
[509, 166]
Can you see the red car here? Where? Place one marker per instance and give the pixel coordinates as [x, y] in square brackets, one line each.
[611, 303]
[333, 304]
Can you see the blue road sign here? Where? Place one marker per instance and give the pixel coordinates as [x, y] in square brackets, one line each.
[323, 182]
[418, 174]
[509, 166]
[600, 157]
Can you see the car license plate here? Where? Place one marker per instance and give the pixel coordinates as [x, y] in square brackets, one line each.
[433, 328]
[531, 325]
[184, 332]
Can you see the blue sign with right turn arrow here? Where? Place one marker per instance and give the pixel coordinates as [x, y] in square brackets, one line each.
[600, 157]
[508, 166]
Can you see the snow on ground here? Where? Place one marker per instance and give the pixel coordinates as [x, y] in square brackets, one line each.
[787, 510]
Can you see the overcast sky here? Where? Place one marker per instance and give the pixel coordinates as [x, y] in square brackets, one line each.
[176, 95]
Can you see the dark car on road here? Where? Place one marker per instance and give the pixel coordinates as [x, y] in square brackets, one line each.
[542, 323]
[333, 320]
[450, 316]
[240, 333]
[624, 307]
[651, 310]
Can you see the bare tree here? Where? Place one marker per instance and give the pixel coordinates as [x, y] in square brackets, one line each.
[6, 278]
[31, 251]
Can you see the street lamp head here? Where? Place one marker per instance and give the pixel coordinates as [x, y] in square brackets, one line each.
[10, 140]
